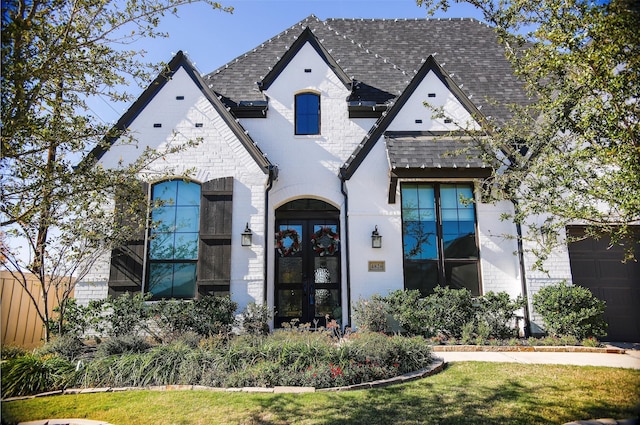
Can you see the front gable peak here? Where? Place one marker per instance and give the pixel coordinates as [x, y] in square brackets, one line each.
[307, 36]
[387, 118]
[180, 61]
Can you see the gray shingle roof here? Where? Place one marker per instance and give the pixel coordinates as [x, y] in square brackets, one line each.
[418, 150]
[382, 56]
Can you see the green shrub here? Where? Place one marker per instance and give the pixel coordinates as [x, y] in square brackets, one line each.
[123, 315]
[371, 315]
[33, 374]
[448, 310]
[410, 310]
[213, 315]
[206, 316]
[74, 321]
[570, 310]
[255, 318]
[497, 311]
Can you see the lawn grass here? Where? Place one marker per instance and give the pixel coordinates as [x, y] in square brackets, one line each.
[464, 393]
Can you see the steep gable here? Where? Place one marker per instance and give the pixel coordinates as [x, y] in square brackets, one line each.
[307, 36]
[430, 66]
[177, 64]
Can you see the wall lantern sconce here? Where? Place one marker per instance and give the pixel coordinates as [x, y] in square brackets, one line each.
[376, 239]
[246, 236]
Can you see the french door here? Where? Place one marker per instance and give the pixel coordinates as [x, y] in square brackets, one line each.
[307, 269]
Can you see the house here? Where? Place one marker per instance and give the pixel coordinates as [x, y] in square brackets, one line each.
[317, 146]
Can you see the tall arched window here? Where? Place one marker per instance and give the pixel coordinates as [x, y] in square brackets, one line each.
[173, 239]
[307, 113]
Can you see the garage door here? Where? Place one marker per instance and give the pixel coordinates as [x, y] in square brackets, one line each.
[596, 266]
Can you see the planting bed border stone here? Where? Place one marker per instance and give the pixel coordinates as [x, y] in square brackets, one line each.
[528, 348]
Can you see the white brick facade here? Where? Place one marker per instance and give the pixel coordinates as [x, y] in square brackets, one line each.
[309, 167]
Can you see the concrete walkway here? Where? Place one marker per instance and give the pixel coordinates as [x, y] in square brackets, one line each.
[630, 359]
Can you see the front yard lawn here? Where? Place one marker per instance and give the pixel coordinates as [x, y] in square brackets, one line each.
[465, 393]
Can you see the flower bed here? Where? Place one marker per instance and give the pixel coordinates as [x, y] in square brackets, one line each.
[291, 358]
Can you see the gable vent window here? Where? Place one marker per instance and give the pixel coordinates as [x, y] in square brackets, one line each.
[179, 97]
[431, 95]
[418, 121]
[307, 70]
[157, 125]
[198, 124]
[448, 120]
[307, 113]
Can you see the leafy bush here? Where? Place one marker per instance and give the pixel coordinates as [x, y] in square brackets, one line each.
[123, 315]
[448, 310]
[33, 374]
[255, 318]
[410, 310]
[213, 315]
[371, 315]
[206, 316]
[570, 310]
[497, 311]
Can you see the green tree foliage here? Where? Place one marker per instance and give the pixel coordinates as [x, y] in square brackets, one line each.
[573, 153]
[56, 57]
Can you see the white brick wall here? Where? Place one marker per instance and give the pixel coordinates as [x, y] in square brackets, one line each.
[219, 154]
[308, 168]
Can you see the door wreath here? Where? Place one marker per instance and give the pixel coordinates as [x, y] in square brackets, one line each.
[325, 242]
[294, 247]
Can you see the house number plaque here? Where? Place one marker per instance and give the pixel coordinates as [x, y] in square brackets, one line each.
[376, 266]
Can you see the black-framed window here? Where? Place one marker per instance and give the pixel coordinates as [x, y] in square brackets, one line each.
[307, 113]
[439, 237]
[173, 239]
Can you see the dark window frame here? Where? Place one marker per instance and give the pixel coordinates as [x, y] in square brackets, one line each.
[193, 261]
[300, 113]
[443, 264]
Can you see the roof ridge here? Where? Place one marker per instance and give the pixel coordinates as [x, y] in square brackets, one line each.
[403, 19]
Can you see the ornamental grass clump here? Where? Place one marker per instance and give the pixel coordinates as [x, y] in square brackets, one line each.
[33, 374]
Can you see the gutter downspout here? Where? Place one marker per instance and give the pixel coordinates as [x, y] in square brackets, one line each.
[273, 175]
[343, 189]
[523, 278]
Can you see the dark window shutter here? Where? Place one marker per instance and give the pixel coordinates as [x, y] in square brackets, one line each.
[127, 261]
[214, 256]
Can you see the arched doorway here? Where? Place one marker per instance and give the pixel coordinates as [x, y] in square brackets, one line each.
[307, 263]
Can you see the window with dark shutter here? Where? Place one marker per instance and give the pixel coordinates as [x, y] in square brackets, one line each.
[214, 265]
[125, 274]
[173, 239]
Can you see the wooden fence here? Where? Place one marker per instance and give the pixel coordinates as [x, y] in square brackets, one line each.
[20, 322]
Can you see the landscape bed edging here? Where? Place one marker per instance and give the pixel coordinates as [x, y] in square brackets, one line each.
[529, 348]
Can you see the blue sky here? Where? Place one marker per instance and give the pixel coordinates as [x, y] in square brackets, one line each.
[212, 38]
